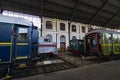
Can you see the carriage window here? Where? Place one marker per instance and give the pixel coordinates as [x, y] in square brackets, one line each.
[88, 40]
[116, 39]
[80, 42]
[73, 43]
[94, 40]
[108, 38]
[100, 40]
[22, 34]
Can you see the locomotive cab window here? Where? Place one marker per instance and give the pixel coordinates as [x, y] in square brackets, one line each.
[22, 34]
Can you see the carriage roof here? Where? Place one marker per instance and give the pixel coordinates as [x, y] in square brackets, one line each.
[103, 31]
[13, 20]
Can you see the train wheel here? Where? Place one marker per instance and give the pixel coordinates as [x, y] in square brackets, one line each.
[32, 63]
[99, 56]
[110, 58]
[4, 73]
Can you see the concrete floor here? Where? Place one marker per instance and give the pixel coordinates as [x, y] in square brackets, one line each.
[103, 71]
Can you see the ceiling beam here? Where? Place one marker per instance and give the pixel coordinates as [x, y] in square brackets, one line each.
[1, 10]
[113, 18]
[74, 9]
[99, 11]
[42, 3]
[19, 6]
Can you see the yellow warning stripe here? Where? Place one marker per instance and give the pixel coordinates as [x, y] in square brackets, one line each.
[110, 44]
[22, 57]
[106, 44]
[5, 43]
[22, 44]
[116, 44]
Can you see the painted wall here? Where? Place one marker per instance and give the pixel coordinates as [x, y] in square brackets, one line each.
[57, 33]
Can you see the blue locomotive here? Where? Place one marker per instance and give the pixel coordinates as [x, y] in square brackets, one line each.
[18, 43]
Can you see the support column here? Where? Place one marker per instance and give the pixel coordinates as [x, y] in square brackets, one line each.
[56, 34]
[42, 3]
[69, 31]
[1, 10]
[41, 26]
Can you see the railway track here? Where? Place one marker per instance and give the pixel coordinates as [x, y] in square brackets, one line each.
[61, 63]
[41, 69]
[55, 64]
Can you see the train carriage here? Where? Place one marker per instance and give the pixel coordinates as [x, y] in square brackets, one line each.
[77, 46]
[19, 43]
[15, 36]
[102, 43]
[15, 42]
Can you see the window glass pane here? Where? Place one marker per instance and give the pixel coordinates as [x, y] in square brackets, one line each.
[93, 42]
[73, 28]
[22, 34]
[46, 40]
[83, 29]
[62, 38]
[116, 38]
[49, 25]
[108, 38]
[49, 37]
[62, 26]
[74, 37]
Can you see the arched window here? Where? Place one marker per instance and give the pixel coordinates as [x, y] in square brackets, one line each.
[62, 38]
[49, 25]
[83, 29]
[49, 37]
[73, 28]
[74, 37]
[62, 26]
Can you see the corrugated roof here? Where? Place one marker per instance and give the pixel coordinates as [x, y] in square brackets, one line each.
[104, 13]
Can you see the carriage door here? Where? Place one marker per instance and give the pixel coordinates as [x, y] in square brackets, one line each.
[93, 42]
[5, 43]
[22, 41]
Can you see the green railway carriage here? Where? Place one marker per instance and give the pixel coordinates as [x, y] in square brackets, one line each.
[77, 46]
[102, 43]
